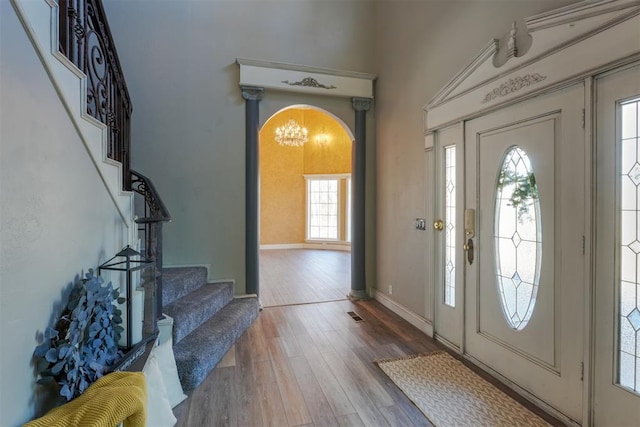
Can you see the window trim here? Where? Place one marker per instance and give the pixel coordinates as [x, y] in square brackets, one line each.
[340, 177]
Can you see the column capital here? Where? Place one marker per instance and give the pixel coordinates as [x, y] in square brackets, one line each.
[252, 93]
[361, 104]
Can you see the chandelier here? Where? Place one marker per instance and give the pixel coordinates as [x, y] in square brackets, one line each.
[291, 134]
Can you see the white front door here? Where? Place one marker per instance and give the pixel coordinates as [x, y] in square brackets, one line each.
[617, 288]
[525, 186]
[449, 296]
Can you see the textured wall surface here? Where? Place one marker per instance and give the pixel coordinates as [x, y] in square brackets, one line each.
[57, 219]
[282, 184]
[188, 118]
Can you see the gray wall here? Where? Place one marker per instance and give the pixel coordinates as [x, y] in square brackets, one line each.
[56, 218]
[420, 46]
[188, 120]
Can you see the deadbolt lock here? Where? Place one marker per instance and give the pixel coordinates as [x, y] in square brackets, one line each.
[438, 224]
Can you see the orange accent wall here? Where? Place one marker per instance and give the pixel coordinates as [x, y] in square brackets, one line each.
[282, 170]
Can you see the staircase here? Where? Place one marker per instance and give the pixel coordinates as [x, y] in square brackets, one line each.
[207, 320]
[69, 36]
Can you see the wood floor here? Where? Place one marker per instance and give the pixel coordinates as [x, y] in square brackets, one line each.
[312, 365]
[301, 276]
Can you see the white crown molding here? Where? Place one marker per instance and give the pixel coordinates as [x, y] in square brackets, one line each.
[568, 44]
[304, 79]
[575, 12]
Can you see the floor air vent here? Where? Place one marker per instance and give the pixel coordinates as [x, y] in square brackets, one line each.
[355, 316]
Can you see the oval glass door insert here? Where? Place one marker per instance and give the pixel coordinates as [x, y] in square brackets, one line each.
[517, 237]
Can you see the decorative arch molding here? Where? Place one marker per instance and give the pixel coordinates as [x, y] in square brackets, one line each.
[562, 52]
[255, 77]
[339, 120]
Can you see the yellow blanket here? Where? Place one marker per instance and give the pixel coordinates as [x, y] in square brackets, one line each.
[114, 398]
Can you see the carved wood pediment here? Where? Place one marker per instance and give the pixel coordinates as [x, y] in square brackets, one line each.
[566, 44]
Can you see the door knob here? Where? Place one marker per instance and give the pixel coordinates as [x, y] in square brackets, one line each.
[438, 224]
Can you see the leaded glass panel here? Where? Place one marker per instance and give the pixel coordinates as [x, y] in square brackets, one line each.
[517, 237]
[629, 248]
[450, 226]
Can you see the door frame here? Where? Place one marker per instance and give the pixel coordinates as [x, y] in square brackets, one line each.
[449, 136]
[311, 84]
[595, 254]
[561, 53]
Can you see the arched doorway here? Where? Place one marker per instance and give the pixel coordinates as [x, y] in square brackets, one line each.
[357, 88]
[304, 207]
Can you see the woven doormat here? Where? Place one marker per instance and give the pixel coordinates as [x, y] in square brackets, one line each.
[450, 394]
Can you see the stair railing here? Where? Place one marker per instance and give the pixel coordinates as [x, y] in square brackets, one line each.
[85, 39]
[150, 226]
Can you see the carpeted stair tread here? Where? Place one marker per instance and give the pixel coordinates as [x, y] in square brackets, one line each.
[195, 308]
[179, 281]
[200, 351]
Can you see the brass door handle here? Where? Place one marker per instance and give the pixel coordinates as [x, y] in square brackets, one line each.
[438, 224]
[468, 248]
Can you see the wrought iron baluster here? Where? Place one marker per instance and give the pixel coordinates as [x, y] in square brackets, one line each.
[155, 213]
[85, 39]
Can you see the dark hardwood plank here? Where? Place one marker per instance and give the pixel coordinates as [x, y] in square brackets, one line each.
[285, 332]
[321, 340]
[348, 364]
[316, 401]
[246, 401]
[368, 356]
[257, 337]
[273, 412]
[210, 397]
[333, 391]
[268, 321]
[396, 416]
[351, 420]
[313, 365]
[295, 407]
[356, 390]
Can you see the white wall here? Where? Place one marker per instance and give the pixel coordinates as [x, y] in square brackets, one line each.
[188, 114]
[420, 46]
[56, 218]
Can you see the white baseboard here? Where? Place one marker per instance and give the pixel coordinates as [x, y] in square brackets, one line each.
[329, 246]
[282, 246]
[309, 245]
[416, 320]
